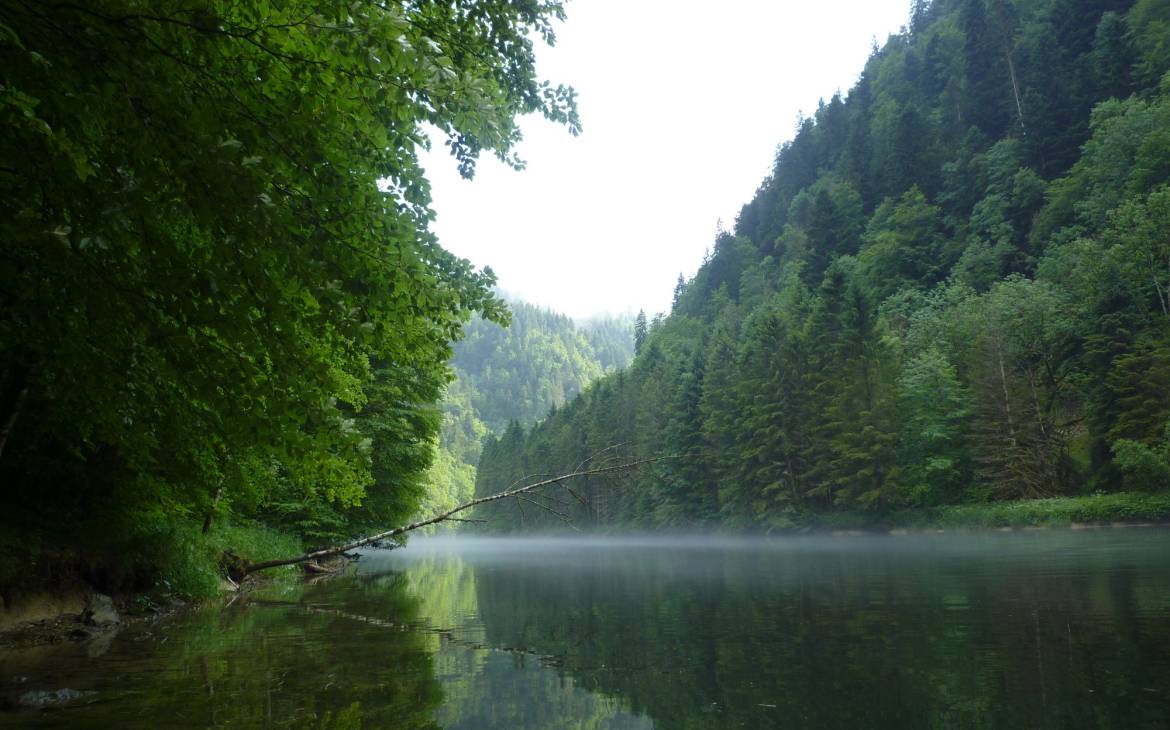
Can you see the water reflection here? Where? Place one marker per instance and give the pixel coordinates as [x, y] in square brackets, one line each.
[286, 660]
[1056, 629]
[1043, 629]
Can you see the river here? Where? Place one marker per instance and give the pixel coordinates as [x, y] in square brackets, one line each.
[1037, 629]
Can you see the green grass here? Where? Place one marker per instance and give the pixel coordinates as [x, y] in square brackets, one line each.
[1054, 512]
[194, 564]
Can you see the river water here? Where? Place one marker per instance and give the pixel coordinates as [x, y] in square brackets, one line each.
[1033, 629]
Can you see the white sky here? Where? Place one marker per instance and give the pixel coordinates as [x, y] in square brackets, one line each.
[683, 104]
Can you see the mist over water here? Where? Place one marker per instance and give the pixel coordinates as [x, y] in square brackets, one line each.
[985, 629]
[1022, 629]
[940, 543]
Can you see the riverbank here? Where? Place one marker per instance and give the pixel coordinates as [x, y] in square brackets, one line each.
[45, 588]
[185, 565]
[1086, 510]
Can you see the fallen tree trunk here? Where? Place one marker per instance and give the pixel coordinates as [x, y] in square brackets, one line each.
[449, 515]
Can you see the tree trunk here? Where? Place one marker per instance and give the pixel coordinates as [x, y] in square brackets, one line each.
[449, 515]
[211, 510]
[1007, 401]
[1007, 35]
[1016, 92]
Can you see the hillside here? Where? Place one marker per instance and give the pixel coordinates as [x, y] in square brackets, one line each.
[952, 288]
[515, 375]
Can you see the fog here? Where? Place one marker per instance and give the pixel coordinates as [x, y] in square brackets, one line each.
[619, 551]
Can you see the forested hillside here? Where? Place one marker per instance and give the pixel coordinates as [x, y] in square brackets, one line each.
[515, 374]
[953, 287]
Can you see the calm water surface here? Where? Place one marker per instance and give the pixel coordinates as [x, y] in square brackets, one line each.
[1044, 629]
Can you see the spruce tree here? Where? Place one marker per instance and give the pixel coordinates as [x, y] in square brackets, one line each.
[640, 331]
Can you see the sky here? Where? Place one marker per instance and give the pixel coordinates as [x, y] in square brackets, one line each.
[683, 106]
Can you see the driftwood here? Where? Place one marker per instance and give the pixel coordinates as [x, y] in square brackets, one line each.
[525, 492]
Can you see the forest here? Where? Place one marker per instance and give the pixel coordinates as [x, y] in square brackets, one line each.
[225, 324]
[952, 289]
[238, 367]
[511, 377]
[227, 332]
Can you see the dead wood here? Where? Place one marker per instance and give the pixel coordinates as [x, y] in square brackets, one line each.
[517, 493]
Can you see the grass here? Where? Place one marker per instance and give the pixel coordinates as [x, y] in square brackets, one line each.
[194, 564]
[1053, 512]
[148, 556]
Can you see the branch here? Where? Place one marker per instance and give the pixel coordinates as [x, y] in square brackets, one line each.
[449, 515]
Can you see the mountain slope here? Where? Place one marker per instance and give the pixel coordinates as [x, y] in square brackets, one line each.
[951, 288]
[516, 374]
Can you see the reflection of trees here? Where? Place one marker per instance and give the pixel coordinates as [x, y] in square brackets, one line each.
[837, 639]
[1056, 630]
[487, 686]
[299, 660]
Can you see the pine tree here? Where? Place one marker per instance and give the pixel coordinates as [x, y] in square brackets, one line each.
[1113, 58]
[773, 422]
[986, 83]
[640, 332]
[690, 495]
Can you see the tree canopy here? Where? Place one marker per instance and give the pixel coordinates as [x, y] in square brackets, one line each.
[220, 289]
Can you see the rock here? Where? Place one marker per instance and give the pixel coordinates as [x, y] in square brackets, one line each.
[99, 611]
[50, 698]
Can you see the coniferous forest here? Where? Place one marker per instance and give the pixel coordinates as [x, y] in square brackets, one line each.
[953, 288]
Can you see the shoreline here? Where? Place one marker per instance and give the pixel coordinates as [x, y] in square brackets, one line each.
[54, 614]
[1093, 511]
[50, 619]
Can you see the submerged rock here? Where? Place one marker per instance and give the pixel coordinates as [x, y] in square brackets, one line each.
[40, 699]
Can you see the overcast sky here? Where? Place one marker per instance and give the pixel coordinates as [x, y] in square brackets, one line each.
[683, 105]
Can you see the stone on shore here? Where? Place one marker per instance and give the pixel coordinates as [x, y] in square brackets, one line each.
[99, 611]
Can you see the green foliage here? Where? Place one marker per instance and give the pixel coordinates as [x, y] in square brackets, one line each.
[640, 331]
[192, 565]
[538, 362]
[951, 288]
[935, 409]
[223, 301]
[903, 245]
[1054, 512]
[516, 374]
[221, 294]
[1148, 466]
